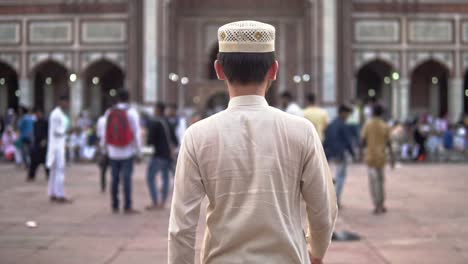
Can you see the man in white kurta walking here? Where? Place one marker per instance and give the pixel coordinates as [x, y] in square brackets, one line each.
[58, 125]
[255, 164]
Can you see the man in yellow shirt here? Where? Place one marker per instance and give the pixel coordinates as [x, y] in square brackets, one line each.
[376, 138]
[316, 115]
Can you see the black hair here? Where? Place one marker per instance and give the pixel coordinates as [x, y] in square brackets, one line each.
[311, 98]
[344, 109]
[377, 110]
[160, 106]
[172, 105]
[123, 95]
[64, 97]
[38, 109]
[245, 68]
[286, 95]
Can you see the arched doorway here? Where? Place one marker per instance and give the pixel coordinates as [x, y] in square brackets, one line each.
[50, 82]
[102, 80]
[374, 82]
[465, 93]
[9, 90]
[429, 93]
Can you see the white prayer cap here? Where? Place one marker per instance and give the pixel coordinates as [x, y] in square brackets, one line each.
[246, 36]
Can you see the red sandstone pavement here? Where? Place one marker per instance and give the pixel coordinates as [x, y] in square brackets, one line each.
[427, 220]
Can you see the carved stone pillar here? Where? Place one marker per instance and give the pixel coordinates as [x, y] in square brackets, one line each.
[76, 98]
[404, 98]
[150, 58]
[455, 99]
[329, 51]
[395, 101]
[26, 92]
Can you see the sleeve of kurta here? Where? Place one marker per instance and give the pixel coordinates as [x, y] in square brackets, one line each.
[102, 139]
[59, 128]
[134, 119]
[188, 195]
[319, 194]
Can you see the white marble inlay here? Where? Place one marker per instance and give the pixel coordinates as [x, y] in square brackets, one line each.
[427, 31]
[377, 31]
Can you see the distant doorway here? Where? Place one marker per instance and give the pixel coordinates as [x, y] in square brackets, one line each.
[429, 93]
[102, 80]
[50, 82]
[465, 93]
[9, 90]
[374, 83]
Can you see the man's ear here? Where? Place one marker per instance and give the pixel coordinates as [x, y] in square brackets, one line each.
[271, 75]
[219, 71]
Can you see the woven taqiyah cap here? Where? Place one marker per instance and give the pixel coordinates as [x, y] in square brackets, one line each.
[246, 36]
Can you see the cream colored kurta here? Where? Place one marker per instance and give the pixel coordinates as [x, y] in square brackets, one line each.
[255, 164]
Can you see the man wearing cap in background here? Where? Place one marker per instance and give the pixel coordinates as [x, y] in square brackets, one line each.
[55, 162]
[254, 163]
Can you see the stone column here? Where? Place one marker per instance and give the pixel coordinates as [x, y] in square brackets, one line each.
[455, 99]
[395, 101]
[48, 98]
[26, 92]
[404, 99]
[76, 98]
[434, 104]
[96, 102]
[329, 51]
[3, 97]
[150, 58]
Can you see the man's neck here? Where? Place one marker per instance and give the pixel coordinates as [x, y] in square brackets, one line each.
[250, 89]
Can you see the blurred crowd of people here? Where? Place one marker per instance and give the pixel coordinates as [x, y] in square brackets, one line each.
[423, 138]
[426, 138]
[158, 132]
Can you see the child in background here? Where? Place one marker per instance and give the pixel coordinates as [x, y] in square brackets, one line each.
[8, 148]
[72, 144]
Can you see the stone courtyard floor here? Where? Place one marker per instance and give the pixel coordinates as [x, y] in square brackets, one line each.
[427, 220]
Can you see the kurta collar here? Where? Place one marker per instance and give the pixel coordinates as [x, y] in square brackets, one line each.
[247, 100]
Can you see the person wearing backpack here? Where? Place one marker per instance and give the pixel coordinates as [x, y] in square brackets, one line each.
[122, 142]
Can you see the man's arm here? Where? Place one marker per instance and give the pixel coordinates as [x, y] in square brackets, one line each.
[135, 123]
[346, 132]
[102, 138]
[58, 126]
[188, 195]
[319, 195]
[390, 149]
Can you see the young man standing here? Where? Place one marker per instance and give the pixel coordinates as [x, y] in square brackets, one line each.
[159, 136]
[103, 159]
[338, 141]
[39, 149]
[26, 126]
[254, 163]
[58, 126]
[122, 143]
[316, 115]
[289, 105]
[376, 139]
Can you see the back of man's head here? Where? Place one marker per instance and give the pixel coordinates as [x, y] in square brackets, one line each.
[160, 108]
[286, 95]
[344, 109]
[246, 68]
[246, 52]
[311, 98]
[123, 95]
[378, 110]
